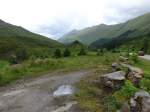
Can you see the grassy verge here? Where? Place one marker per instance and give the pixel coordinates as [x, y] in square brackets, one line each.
[145, 66]
[90, 95]
[93, 98]
[36, 67]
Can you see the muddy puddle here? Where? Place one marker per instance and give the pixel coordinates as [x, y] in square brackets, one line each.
[64, 90]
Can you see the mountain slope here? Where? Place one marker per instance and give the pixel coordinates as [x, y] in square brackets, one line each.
[139, 26]
[13, 37]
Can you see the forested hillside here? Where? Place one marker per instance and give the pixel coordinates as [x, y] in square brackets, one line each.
[14, 37]
[99, 35]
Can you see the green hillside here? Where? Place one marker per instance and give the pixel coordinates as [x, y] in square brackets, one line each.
[13, 37]
[139, 26]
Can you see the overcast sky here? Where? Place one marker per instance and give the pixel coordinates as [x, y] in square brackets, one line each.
[54, 18]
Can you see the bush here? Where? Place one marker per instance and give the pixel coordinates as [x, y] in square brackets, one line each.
[66, 53]
[134, 57]
[20, 55]
[82, 52]
[99, 52]
[0, 78]
[57, 53]
[13, 59]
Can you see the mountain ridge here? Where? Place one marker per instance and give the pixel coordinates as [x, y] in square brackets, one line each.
[13, 37]
[89, 35]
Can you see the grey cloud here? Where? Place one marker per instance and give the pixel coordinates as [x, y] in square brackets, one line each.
[125, 13]
[114, 14]
[62, 26]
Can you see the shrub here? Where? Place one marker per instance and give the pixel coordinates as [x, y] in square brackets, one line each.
[134, 57]
[13, 59]
[0, 78]
[145, 45]
[22, 54]
[66, 53]
[98, 52]
[57, 53]
[82, 52]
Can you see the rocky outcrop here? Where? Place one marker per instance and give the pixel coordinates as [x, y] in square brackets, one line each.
[139, 72]
[140, 102]
[113, 80]
[134, 74]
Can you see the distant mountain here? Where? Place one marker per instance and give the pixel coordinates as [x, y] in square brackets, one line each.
[100, 34]
[68, 38]
[76, 44]
[13, 37]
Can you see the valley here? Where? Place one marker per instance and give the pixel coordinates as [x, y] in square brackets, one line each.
[103, 68]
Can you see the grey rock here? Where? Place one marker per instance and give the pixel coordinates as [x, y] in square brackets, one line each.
[113, 80]
[134, 74]
[140, 102]
[119, 75]
[115, 66]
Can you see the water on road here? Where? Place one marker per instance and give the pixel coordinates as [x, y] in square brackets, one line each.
[39, 95]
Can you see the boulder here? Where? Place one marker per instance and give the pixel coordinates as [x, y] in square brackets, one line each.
[115, 66]
[123, 59]
[141, 53]
[140, 102]
[139, 72]
[113, 80]
[134, 74]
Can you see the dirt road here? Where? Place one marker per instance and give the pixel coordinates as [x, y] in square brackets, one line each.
[36, 95]
[147, 57]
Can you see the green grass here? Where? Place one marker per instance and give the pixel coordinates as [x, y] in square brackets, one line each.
[145, 66]
[14, 37]
[90, 95]
[87, 98]
[3, 64]
[93, 98]
[125, 92]
[36, 67]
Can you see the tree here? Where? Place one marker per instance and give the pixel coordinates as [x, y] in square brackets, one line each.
[145, 45]
[82, 52]
[57, 53]
[98, 52]
[21, 54]
[102, 51]
[13, 59]
[66, 53]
